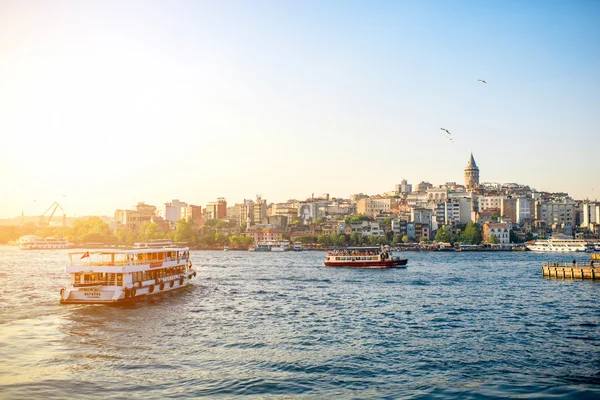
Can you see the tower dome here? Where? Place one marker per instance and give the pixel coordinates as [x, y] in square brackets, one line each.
[471, 174]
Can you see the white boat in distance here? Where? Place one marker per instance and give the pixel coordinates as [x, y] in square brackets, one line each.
[33, 242]
[558, 245]
[282, 245]
[116, 276]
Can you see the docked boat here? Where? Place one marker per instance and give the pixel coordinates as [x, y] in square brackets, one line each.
[116, 276]
[298, 246]
[282, 245]
[558, 245]
[33, 242]
[363, 257]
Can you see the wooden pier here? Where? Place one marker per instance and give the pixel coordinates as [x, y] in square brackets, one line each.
[570, 271]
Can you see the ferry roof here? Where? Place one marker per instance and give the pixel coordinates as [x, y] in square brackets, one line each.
[131, 251]
[363, 248]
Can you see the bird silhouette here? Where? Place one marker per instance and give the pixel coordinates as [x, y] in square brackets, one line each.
[481, 80]
[446, 130]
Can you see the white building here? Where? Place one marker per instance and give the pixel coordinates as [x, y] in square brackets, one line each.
[487, 202]
[172, 211]
[591, 214]
[524, 207]
[372, 206]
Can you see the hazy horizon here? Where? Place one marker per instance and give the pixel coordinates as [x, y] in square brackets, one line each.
[106, 104]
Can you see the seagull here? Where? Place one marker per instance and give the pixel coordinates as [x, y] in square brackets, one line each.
[446, 130]
[481, 80]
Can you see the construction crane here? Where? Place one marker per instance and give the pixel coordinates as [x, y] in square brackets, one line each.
[45, 220]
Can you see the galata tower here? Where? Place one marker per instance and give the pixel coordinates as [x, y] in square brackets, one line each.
[471, 174]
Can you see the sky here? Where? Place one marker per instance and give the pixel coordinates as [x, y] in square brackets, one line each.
[104, 104]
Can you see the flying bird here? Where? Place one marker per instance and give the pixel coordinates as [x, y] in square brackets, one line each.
[481, 80]
[446, 130]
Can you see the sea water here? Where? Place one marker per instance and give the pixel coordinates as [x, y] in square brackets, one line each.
[281, 325]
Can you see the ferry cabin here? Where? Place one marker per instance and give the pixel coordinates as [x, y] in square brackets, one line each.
[121, 275]
[363, 257]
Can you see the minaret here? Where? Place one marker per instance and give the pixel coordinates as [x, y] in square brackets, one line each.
[471, 174]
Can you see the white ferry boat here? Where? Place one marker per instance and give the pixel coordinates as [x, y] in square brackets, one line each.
[363, 257]
[298, 246]
[33, 242]
[117, 276]
[558, 245]
[283, 245]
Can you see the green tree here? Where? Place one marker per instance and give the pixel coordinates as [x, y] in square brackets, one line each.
[355, 219]
[324, 239]
[93, 225]
[185, 231]
[529, 236]
[354, 239]
[124, 236]
[472, 233]
[493, 239]
[222, 224]
[513, 237]
[404, 239]
[442, 236]
[211, 223]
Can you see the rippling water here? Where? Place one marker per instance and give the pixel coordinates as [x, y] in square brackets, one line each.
[273, 325]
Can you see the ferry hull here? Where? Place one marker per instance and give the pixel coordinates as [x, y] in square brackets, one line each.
[119, 295]
[368, 264]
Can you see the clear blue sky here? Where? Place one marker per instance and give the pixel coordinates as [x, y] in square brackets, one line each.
[107, 103]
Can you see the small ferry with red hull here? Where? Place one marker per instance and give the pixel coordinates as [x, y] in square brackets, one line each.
[363, 257]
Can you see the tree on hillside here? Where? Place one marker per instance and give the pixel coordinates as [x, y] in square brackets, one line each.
[94, 225]
[493, 239]
[472, 233]
[355, 219]
[442, 236]
[186, 231]
[404, 239]
[124, 236]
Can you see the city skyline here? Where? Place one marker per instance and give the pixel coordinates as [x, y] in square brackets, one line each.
[106, 104]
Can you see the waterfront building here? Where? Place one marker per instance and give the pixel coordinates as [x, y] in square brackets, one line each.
[422, 187]
[471, 174]
[416, 199]
[501, 231]
[133, 219]
[260, 210]
[399, 227]
[404, 187]
[437, 194]
[421, 215]
[286, 210]
[172, 211]
[264, 234]
[422, 231]
[242, 213]
[558, 213]
[216, 209]
[372, 206]
[590, 214]
[193, 213]
[278, 221]
[487, 202]
[525, 210]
